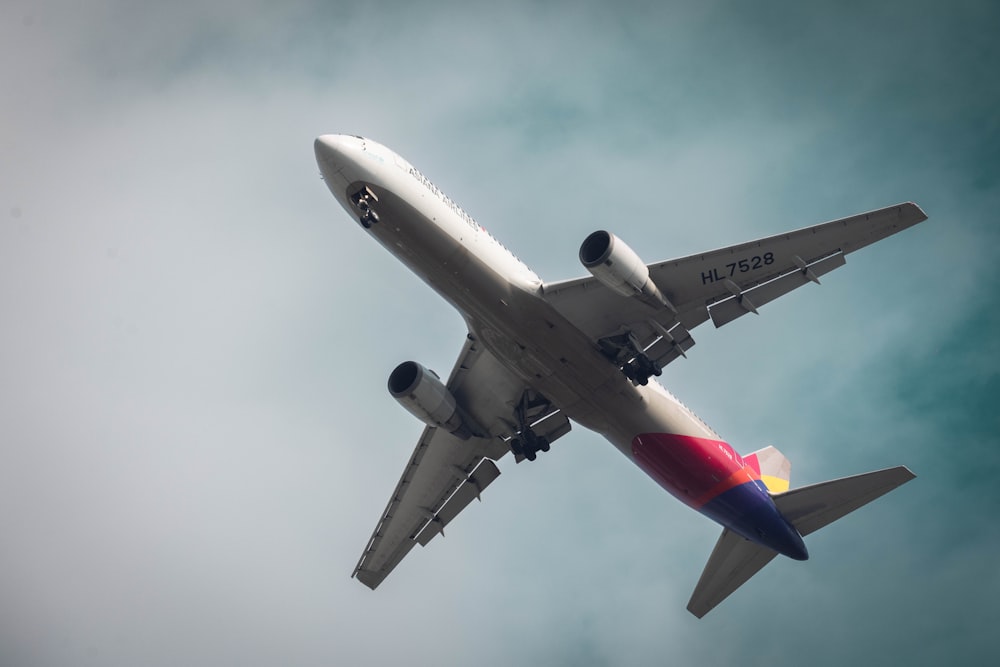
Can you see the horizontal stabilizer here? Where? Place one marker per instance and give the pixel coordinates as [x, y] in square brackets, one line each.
[811, 507]
[733, 561]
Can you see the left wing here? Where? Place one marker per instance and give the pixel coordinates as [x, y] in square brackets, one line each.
[445, 473]
[723, 284]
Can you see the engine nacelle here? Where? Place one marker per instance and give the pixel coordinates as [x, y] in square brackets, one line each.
[424, 396]
[616, 265]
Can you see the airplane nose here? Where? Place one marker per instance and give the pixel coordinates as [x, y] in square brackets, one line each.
[331, 149]
[337, 155]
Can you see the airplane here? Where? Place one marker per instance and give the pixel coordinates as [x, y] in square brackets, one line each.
[540, 354]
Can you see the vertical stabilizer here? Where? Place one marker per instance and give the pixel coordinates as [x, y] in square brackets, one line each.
[774, 468]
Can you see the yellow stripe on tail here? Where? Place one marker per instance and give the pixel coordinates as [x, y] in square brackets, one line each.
[774, 469]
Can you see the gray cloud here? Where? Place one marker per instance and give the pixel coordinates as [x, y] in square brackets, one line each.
[194, 436]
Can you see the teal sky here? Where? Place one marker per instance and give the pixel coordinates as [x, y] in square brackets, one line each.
[195, 437]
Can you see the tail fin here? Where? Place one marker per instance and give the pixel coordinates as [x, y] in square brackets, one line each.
[774, 468]
[735, 559]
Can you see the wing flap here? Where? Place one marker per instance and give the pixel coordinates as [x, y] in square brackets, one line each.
[748, 301]
[470, 490]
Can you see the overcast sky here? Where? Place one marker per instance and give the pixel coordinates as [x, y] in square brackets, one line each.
[195, 436]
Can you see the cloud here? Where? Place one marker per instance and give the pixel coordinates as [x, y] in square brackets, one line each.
[194, 431]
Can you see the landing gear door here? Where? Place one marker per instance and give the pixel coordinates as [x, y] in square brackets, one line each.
[553, 427]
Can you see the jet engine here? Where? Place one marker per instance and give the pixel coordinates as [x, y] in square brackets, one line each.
[617, 266]
[424, 396]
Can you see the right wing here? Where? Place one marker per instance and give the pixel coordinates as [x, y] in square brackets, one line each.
[723, 284]
[445, 473]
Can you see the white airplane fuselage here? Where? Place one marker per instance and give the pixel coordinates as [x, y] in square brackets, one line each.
[504, 305]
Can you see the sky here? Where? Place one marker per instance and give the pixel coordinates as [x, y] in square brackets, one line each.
[195, 436]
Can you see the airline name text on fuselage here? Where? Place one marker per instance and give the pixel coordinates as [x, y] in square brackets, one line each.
[446, 199]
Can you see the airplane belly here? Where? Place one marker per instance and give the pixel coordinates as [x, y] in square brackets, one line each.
[664, 438]
[646, 423]
[689, 459]
[443, 256]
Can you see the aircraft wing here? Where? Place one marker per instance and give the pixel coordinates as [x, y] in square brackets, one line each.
[445, 473]
[723, 284]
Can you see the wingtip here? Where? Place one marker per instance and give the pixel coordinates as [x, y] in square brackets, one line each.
[369, 579]
[698, 613]
[919, 212]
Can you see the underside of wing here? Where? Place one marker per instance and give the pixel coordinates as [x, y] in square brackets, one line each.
[440, 467]
[720, 285]
[446, 472]
[751, 274]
